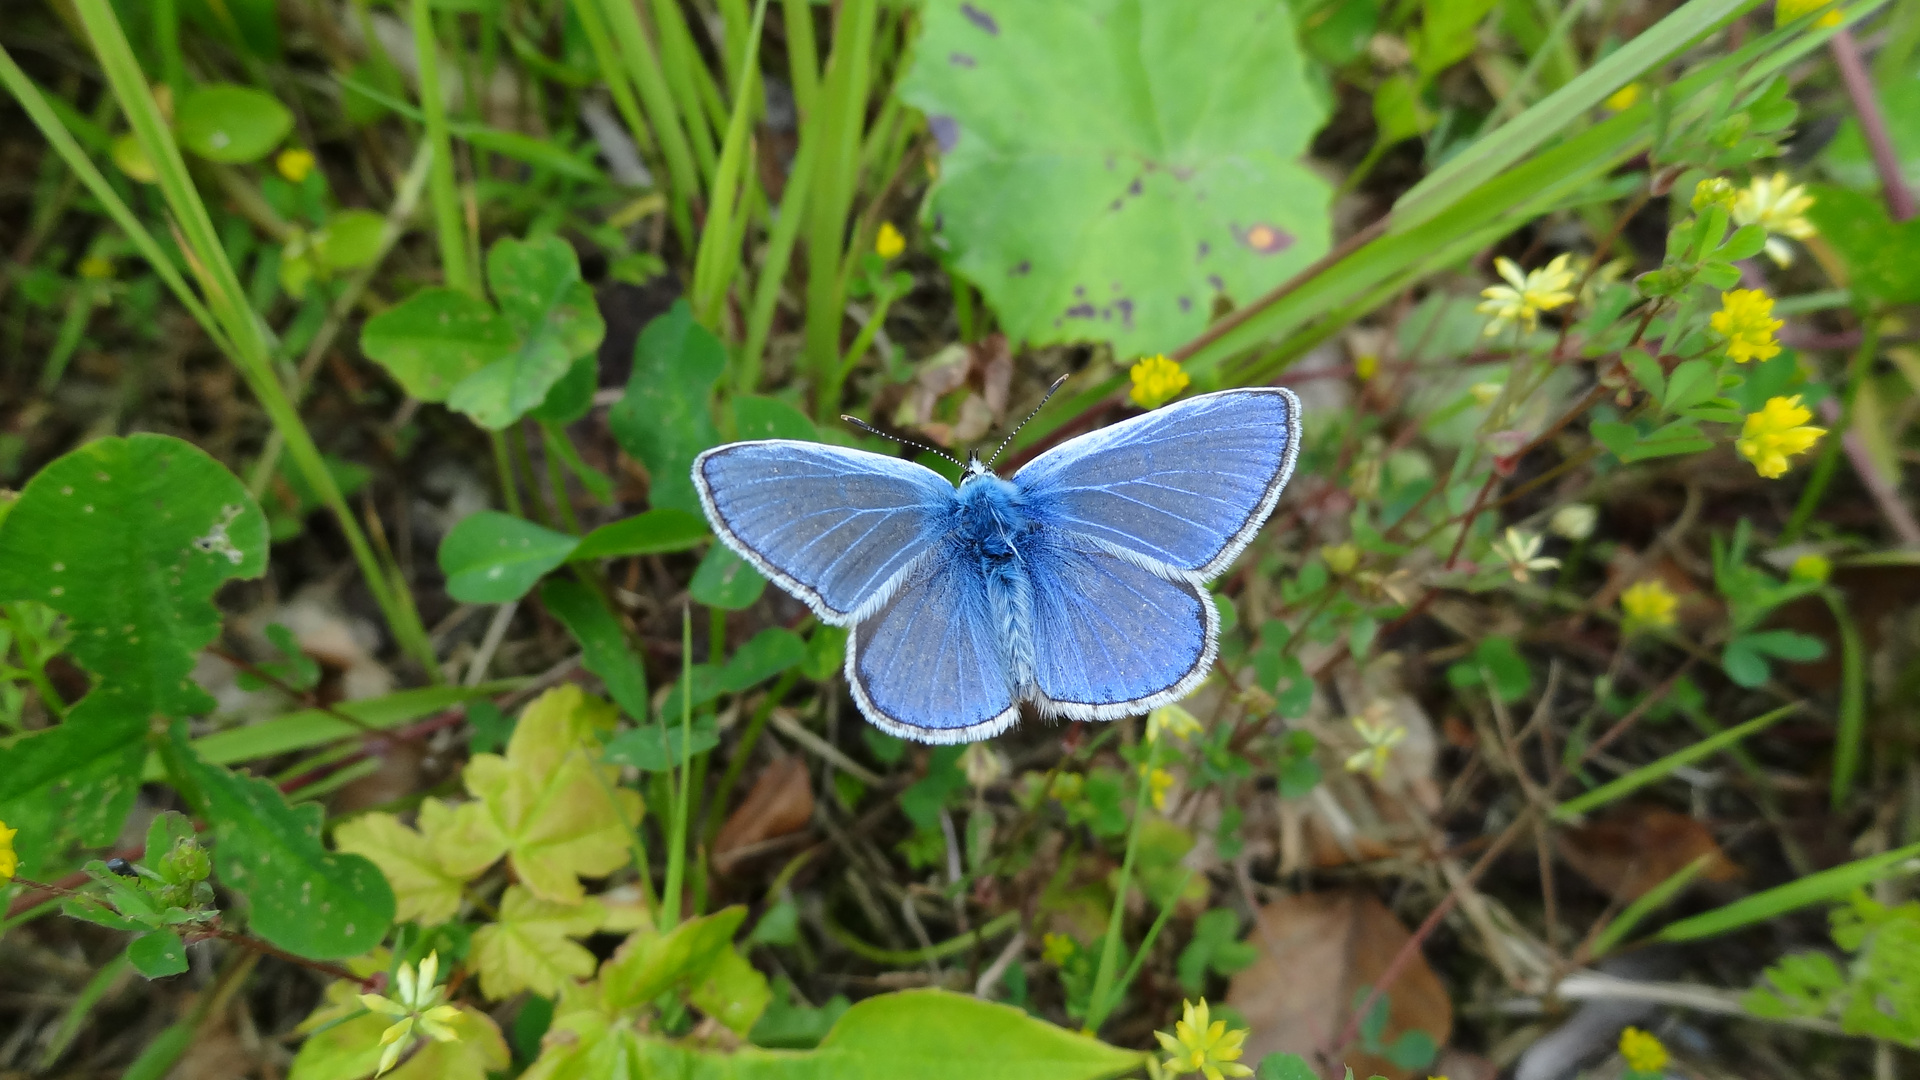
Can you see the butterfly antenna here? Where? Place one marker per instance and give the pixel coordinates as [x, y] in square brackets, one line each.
[871, 430]
[1057, 384]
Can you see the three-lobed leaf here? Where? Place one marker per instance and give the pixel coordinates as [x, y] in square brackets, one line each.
[551, 312]
[495, 558]
[530, 947]
[424, 890]
[664, 419]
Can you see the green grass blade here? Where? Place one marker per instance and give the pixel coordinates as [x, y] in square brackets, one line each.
[1661, 769]
[1649, 902]
[449, 224]
[1794, 895]
[643, 67]
[719, 256]
[1853, 700]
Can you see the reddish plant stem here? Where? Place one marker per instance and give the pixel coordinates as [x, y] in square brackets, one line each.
[1873, 125]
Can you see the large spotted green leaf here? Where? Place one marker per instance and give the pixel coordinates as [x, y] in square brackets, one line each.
[1109, 167]
[128, 538]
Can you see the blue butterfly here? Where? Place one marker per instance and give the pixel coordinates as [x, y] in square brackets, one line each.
[1078, 585]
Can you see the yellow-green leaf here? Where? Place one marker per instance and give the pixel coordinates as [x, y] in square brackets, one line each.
[351, 1049]
[424, 890]
[527, 947]
[542, 806]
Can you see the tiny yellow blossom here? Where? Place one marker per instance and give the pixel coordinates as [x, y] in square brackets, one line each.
[1200, 1044]
[1778, 207]
[1159, 781]
[9, 860]
[1521, 550]
[1714, 191]
[1366, 366]
[1775, 433]
[889, 243]
[1746, 320]
[1380, 734]
[1648, 605]
[418, 1009]
[96, 268]
[1057, 949]
[294, 164]
[1341, 558]
[1642, 1051]
[1156, 381]
[1525, 296]
[1785, 11]
[1811, 567]
[1171, 720]
[1624, 98]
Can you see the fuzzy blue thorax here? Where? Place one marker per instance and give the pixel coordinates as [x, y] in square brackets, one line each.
[991, 527]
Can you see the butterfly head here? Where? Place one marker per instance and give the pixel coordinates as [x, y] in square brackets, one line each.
[975, 467]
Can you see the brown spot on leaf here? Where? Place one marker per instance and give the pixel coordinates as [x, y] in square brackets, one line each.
[1267, 239]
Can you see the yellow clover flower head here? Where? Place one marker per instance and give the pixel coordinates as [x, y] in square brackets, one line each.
[1057, 949]
[96, 268]
[1525, 296]
[1642, 1050]
[1171, 720]
[1785, 11]
[1775, 433]
[1203, 1045]
[1624, 98]
[1811, 567]
[418, 1009]
[889, 243]
[1714, 191]
[1778, 206]
[1648, 605]
[1341, 558]
[294, 164]
[1746, 320]
[1156, 381]
[1159, 781]
[9, 860]
[1366, 366]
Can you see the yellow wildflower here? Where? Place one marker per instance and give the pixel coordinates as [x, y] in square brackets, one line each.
[419, 1009]
[96, 268]
[1811, 567]
[1521, 550]
[9, 861]
[1366, 366]
[1778, 207]
[1642, 1050]
[1341, 558]
[889, 242]
[1057, 949]
[294, 164]
[1159, 781]
[1380, 734]
[1775, 433]
[1746, 320]
[1156, 381]
[1198, 1045]
[1525, 296]
[1785, 11]
[1171, 720]
[1713, 191]
[1648, 605]
[1624, 98]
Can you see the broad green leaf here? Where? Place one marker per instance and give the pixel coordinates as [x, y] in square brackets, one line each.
[492, 558]
[1109, 168]
[314, 727]
[769, 653]
[424, 890]
[922, 1034]
[1745, 655]
[344, 1042]
[1646, 371]
[664, 420]
[793, 1026]
[1215, 946]
[300, 896]
[656, 747]
[603, 643]
[1398, 114]
[1285, 1067]
[434, 339]
[1690, 384]
[572, 397]
[650, 532]
[128, 538]
[651, 962]
[551, 311]
[826, 652]
[157, 954]
[1446, 36]
[757, 417]
[1882, 257]
[349, 240]
[724, 580]
[541, 806]
[527, 947]
[1338, 32]
[230, 124]
[733, 992]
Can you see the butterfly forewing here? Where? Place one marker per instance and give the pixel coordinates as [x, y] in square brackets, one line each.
[831, 525]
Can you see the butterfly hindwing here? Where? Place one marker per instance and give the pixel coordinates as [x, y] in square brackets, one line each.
[833, 526]
[1187, 485]
[1113, 637]
[927, 664]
